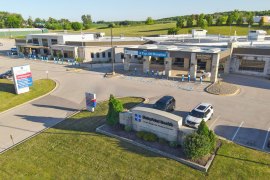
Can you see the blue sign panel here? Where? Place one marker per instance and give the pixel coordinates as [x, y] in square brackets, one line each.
[138, 117]
[153, 54]
[26, 82]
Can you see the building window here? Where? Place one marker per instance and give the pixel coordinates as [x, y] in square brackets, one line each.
[201, 64]
[45, 42]
[54, 41]
[97, 55]
[157, 60]
[92, 55]
[251, 65]
[179, 62]
[35, 41]
[109, 54]
[103, 54]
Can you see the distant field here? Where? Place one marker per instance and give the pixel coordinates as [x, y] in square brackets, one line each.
[158, 29]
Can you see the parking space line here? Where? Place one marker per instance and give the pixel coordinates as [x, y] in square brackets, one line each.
[265, 141]
[214, 122]
[238, 130]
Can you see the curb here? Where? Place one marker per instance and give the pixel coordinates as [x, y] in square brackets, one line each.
[37, 98]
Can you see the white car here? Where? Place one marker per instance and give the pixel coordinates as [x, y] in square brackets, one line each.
[203, 111]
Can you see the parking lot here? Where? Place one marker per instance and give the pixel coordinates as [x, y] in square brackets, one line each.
[243, 118]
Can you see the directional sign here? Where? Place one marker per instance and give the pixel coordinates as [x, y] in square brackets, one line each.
[22, 77]
[153, 53]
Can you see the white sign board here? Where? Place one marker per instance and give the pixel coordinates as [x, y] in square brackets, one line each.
[91, 101]
[22, 78]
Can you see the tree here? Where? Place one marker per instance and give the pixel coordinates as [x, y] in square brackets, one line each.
[196, 146]
[115, 107]
[111, 25]
[190, 21]
[67, 26]
[220, 20]
[13, 21]
[235, 15]
[173, 31]
[149, 21]
[203, 129]
[30, 21]
[229, 20]
[209, 19]
[200, 20]
[261, 23]
[250, 19]
[87, 21]
[180, 22]
[204, 24]
[240, 21]
[76, 26]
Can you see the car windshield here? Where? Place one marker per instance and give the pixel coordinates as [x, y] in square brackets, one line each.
[197, 114]
[160, 105]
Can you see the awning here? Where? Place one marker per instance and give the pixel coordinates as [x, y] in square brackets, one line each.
[35, 47]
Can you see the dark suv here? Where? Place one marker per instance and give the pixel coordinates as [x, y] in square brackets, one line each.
[166, 103]
[6, 75]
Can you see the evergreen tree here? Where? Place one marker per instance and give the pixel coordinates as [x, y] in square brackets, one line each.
[115, 107]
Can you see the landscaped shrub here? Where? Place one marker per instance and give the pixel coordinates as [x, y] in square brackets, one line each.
[147, 136]
[196, 146]
[115, 107]
[140, 134]
[203, 129]
[162, 141]
[128, 128]
[173, 144]
[150, 137]
[213, 140]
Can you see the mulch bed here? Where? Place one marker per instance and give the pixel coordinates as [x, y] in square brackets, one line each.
[176, 151]
[223, 88]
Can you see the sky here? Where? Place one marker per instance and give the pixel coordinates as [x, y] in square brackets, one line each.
[116, 10]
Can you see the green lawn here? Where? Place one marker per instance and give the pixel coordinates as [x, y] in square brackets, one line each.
[9, 98]
[157, 29]
[73, 150]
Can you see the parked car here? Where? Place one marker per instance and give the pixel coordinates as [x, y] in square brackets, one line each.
[166, 103]
[6, 75]
[204, 111]
[203, 74]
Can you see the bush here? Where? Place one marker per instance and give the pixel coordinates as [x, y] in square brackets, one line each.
[128, 128]
[203, 129]
[196, 146]
[150, 137]
[76, 26]
[115, 107]
[173, 144]
[140, 134]
[213, 140]
[147, 136]
[173, 31]
[162, 141]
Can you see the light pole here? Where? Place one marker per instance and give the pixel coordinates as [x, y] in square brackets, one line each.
[113, 55]
[82, 34]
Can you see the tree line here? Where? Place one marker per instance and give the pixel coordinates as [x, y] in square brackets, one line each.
[217, 19]
[13, 20]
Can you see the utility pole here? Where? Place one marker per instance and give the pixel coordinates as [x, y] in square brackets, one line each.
[113, 55]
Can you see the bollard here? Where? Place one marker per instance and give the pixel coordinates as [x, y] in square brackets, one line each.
[183, 78]
[188, 77]
[201, 79]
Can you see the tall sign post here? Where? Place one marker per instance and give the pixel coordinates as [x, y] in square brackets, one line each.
[91, 101]
[22, 78]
